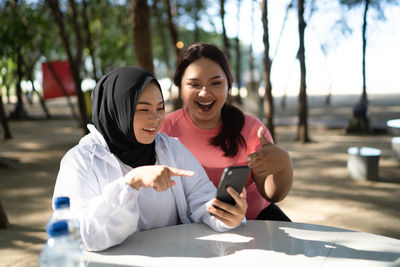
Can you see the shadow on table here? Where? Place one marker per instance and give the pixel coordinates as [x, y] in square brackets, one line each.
[287, 238]
[328, 241]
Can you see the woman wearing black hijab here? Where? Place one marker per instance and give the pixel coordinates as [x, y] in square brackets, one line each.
[125, 177]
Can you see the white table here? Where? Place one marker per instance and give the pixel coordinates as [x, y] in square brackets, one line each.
[258, 243]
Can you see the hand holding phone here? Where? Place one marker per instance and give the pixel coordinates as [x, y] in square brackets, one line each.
[235, 177]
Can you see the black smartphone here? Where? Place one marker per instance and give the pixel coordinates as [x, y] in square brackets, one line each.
[234, 176]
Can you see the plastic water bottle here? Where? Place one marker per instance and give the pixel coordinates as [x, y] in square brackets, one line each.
[62, 211]
[60, 249]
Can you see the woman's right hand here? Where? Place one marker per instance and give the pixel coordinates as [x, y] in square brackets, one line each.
[156, 176]
[231, 215]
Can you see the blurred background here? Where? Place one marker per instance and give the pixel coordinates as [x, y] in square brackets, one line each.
[346, 47]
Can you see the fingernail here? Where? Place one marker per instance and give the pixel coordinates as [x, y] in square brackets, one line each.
[248, 158]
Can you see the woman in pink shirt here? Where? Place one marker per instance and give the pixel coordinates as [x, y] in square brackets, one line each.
[220, 135]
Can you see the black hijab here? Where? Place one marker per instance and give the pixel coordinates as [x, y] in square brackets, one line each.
[114, 102]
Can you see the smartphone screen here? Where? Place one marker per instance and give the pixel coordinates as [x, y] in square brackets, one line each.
[235, 177]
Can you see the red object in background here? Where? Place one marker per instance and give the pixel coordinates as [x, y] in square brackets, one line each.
[50, 86]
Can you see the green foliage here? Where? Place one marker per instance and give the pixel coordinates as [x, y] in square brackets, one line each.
[111, 31]
[12, 31]
[111, 27]
[24, 28]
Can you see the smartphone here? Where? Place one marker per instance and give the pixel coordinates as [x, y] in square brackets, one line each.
[234, 176]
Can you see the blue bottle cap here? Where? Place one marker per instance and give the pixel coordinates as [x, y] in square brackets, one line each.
[61, 202]
[57, 228]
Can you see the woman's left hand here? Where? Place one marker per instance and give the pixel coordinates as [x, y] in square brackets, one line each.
[231, 215]
[270, 159]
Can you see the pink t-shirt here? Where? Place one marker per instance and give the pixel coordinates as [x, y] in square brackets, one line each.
[178, 124]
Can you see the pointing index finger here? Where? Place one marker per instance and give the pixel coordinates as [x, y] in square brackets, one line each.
[180, 172]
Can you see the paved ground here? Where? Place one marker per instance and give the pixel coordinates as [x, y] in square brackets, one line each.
[322, 192]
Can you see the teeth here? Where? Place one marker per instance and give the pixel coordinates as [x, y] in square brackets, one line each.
[205, 103]
[149, 129]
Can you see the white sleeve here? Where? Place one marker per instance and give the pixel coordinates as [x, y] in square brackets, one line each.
[108, 214]
[200, 191]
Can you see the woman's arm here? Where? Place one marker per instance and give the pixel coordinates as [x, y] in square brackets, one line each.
[106, 206]
[272, 170]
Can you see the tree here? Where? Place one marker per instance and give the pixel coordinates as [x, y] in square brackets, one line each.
[302, 127]
[75, 61]
[177, 103]
[4, 120]
[89, 39]
[238, 75]
[29, 70]
[224, 36]
[111, 26]
[160, 29]
[360, 120]
[267, 62]
[172, 25]
[3, 218]
[37, 28]
[251, 56]
[19, 111]
[13, 36]
[142, 34]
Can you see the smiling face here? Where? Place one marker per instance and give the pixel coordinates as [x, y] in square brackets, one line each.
[204, 90]
[149, 114]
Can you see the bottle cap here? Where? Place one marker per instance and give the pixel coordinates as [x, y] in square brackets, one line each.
[61, 202]
[57, 228]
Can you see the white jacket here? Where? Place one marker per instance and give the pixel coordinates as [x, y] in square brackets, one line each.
[108, 209]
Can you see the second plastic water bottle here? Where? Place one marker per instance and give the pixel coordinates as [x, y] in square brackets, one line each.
[60, 250]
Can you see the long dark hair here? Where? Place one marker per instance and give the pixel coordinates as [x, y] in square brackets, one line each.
[229, 138]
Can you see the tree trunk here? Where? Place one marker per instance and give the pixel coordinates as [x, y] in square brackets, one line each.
[360, 120]
[268, 98]
[77, 64]
[74, 62]
[227, 46]
[253, 86]
[4, 120]
[237, 98]
[161, 33]
[19, 111]
[289, 7]
[42, 103]
[3, 218]
[89, 42]
[364, 98]
[140, 16]
[29, 65]
[81, 98]
[173, 29]
[302, 129]
[177, 103]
